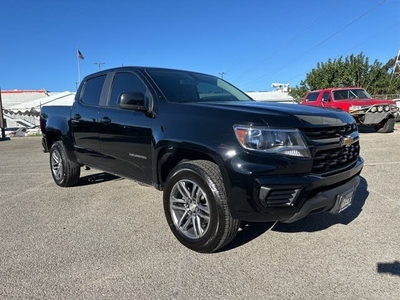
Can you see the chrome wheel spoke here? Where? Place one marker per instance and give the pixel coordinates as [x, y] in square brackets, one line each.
[190, 211]
[204, 216]
[187, 223]
[55, 158]
[198, 195]
[178, 204]
[58, 173]
[178, 200]
[195, 191]
[204, 209]
[178, 207]
[184, 218]
[56, 165]
[197, 229]
[183, 189]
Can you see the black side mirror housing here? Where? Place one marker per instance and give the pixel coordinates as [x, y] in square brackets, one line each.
[132, 101]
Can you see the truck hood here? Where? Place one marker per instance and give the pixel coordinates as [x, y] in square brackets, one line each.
[278, 114]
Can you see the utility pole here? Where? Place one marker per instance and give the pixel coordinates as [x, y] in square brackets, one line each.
[99, 64]
[396, 66]
[2, 123]
[222, 74]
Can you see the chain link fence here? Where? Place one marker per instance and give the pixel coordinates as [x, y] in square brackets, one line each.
[388, 96]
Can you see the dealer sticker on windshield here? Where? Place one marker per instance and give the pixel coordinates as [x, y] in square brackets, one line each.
[345, 201]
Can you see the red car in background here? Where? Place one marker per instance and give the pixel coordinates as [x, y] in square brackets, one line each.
[378, 113]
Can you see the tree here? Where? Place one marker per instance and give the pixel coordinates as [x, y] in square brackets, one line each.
[354, 70]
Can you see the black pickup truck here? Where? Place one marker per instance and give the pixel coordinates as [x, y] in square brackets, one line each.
[218, 156]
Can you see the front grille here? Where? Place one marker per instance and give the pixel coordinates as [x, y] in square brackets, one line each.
[330, 132]
[337, 158]
[328, 151]
[278, 196]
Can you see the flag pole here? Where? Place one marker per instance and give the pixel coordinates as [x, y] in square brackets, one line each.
[79, 69]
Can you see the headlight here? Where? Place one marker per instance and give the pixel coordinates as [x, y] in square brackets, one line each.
[280, 141]
[386, 108]
[380, 108]
[354, 108]
[373, 109]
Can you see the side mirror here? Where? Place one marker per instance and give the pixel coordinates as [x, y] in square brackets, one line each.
[132, 100]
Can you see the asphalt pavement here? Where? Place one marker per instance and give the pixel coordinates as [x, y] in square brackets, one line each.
[107, 238]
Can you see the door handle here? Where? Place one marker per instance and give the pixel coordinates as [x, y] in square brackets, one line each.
[105, 120]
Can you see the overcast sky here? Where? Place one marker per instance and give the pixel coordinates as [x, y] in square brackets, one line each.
[253, 43]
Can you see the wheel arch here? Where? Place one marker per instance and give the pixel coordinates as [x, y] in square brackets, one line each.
[170, 156]
[54, 135]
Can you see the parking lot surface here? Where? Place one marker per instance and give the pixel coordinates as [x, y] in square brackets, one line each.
[107, 239]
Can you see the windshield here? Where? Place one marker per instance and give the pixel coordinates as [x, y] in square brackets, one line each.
[183, 86]
[351, 94]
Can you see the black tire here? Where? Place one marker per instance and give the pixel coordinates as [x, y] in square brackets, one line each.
[196, 208]
[386, 126]
[65, 173]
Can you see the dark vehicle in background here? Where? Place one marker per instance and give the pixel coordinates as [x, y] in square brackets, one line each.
[378, 113]
[218, 156]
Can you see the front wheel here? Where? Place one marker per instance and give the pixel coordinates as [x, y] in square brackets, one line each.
[196, 208]
[386, 126]
[65, 172]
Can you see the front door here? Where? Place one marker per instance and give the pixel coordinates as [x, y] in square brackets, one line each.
[126, 135]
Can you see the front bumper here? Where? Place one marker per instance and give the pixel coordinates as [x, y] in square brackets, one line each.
[288, 198]
[374, 114]
[376, 118]
[326, 200]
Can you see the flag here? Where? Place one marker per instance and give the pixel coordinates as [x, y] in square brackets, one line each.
[80, 55]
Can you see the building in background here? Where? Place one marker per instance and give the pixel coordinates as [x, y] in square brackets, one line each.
[21, 108]
[279, 94]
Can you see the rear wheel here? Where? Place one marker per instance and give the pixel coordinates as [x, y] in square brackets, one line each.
[386, 126]
[65, 173]
[196, 208]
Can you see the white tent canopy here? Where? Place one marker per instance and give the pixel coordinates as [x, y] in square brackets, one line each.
[62, 99]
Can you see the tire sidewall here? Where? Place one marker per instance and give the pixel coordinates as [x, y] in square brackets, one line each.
[206, 242]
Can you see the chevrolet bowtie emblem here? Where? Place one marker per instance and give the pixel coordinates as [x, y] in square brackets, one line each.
[346, 141]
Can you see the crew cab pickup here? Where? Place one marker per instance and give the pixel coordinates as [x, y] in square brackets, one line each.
[377, 113]
[218, 156]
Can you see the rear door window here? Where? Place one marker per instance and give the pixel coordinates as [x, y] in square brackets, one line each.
[92, 92]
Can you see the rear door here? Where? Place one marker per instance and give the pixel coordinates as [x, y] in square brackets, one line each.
[84, 121]
[126, 135]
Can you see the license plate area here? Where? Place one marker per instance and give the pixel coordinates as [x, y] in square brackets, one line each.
[344, 201]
